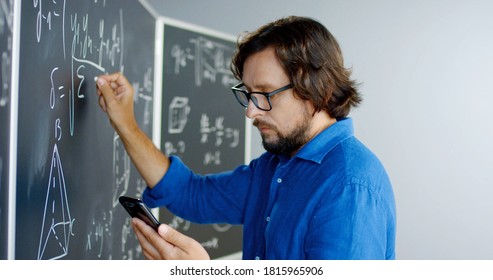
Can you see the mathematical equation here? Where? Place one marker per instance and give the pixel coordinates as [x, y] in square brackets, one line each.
[88, 53]
[210, 60]
[210, 131]
[91, 46]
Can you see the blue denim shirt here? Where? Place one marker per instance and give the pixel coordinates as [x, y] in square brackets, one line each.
[332, 200]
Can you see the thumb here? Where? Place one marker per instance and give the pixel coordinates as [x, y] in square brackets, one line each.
[184, 247]
[171, 235]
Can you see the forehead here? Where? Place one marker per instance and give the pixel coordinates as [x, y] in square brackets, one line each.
[262, 71]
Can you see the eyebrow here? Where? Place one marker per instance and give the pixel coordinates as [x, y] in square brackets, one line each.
[260, 87]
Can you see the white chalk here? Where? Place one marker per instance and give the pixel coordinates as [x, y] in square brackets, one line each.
[96, 78]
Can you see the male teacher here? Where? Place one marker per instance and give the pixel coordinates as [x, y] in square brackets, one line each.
[316, 193]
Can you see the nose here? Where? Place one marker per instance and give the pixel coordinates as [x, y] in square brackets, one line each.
[252, 111]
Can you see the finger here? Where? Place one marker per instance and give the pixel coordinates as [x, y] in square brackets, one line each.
[149, 251]
[118, 78]
[101, 100]
[113, 85]
[156, 246]
[106, 91]
[102, 104]
[119, 83]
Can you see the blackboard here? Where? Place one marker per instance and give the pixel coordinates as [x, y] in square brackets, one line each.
[201, 122]
[71, 166]
[6, 25]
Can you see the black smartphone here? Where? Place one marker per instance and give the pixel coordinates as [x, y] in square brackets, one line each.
[137, 209]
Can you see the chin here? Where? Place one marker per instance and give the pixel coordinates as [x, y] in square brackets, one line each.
[269, 140]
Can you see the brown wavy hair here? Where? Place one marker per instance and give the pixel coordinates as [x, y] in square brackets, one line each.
[312, 59]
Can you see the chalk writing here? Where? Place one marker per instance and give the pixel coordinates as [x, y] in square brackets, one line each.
[6, 22]
[213, 243]
[143, 93]
[121, 169]
[5, 75]
[219, 131]
[203, 126]
[90, 41]
[177, 149]
[180, 224]
[210, 60]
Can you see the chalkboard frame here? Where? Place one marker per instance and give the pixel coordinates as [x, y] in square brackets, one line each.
[11, 162]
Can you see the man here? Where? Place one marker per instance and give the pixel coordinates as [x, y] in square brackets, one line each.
[317, 193]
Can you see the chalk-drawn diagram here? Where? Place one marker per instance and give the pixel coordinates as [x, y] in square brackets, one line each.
[178, 114]
[57, 223]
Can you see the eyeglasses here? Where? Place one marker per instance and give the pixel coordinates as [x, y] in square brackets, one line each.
[261, 100]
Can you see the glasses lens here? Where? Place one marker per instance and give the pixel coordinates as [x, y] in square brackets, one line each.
[241, 97]
[260, 101]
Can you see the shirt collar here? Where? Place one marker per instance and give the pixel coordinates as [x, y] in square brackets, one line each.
[317, 148]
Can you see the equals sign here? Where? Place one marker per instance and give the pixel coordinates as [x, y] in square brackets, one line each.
[60, 88]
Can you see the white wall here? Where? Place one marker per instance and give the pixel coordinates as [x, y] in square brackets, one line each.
[426, 68]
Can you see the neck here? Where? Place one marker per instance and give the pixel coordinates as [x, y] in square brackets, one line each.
[319, 122]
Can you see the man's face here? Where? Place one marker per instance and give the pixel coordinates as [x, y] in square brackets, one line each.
[286, 127]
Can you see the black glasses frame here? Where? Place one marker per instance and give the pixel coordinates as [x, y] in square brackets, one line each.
[237, 90]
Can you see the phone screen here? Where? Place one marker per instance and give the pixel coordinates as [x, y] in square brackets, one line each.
[137, 209]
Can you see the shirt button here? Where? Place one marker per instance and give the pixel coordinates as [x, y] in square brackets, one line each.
[279, 180]
[267, 219]
[257, 258]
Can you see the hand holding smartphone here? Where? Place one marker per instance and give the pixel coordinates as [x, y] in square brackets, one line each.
[137, 209]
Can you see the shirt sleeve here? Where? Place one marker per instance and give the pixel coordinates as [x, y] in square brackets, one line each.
[201, 199]
[354, 222]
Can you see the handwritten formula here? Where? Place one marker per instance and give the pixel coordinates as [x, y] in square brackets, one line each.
[64, 45]
[202, 124]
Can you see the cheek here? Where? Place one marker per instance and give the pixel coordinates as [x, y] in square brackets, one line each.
[287, 121]
[289, 113]
[296, 110]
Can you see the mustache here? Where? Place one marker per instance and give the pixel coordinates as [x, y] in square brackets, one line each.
[258, 123]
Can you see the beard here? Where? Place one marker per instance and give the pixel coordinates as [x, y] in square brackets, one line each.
[289, 143]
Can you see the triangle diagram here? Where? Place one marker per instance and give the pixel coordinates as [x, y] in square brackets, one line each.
[57, 223]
